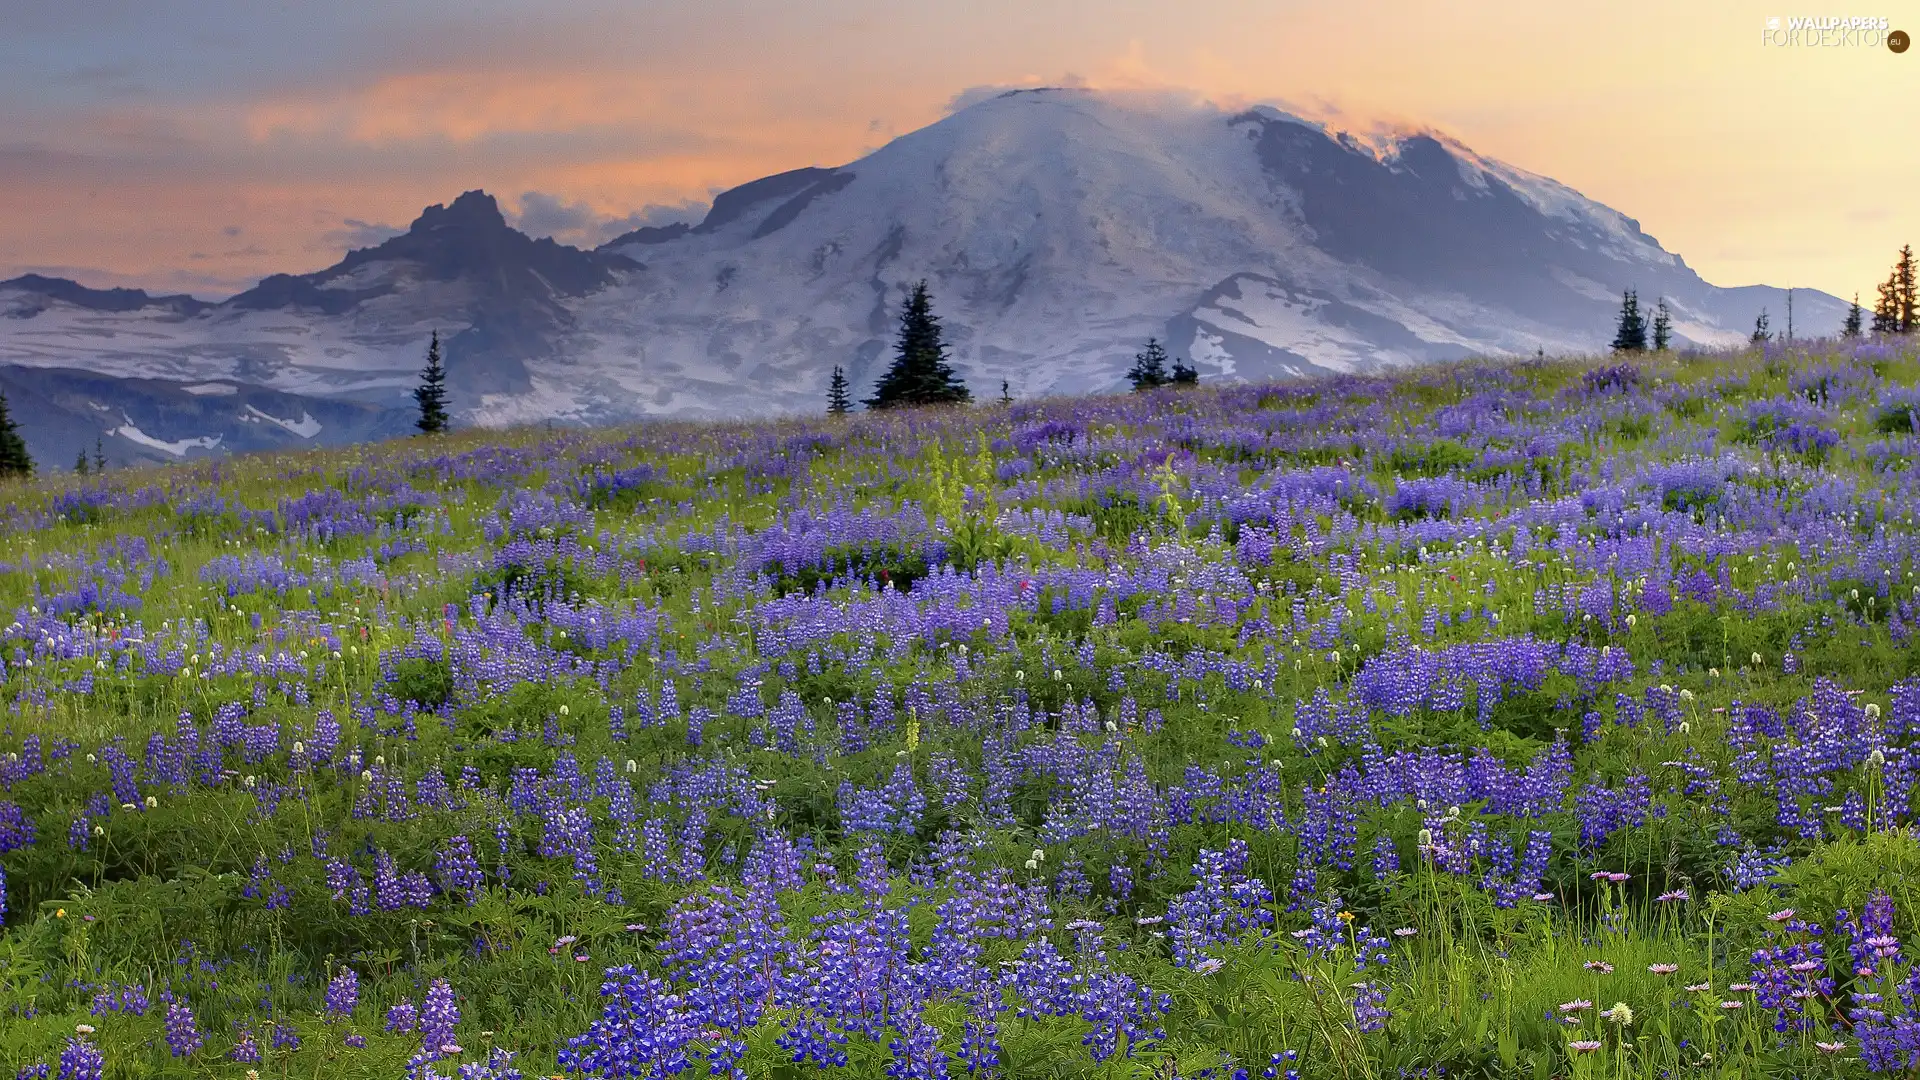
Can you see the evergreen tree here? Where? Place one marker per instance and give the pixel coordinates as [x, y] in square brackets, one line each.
[99, 456]
[14, 459]
[1662, 326]
[1149, 368]
[431, 394]
[80, 464]
[1184, 374]
[1886, 319]
[1006, 395]
[838, 403]
[1631, 333]
[1851, 328]
[1760, 334]
[920, 374]
[1905, 302]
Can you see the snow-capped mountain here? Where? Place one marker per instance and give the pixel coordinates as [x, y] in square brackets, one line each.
[63, 413]
[1057, 230]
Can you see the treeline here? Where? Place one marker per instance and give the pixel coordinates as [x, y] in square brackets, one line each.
[921, 375]
[1896, 311]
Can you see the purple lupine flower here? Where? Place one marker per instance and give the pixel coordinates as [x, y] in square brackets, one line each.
[915, 1055]
[438, 1016]
[459, 870]
[343, 993]
[183, 1035]
[246, 1049]
[81, 1060]
[498, 1066]
[17, 830]
[402, 1018]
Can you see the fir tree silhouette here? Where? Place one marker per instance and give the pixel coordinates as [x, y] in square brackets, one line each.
[1630, 334]
[1149, 368]
[431, 394]
[1184, 374]
[1760, 335]
[14, 459]
[1885, 321]
[1662, 326]
[838, 403]
[920, 374]
[1905, 303]
[1851, 327]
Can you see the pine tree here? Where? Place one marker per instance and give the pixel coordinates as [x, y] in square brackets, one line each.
[1631, 333]
[1149, 368]
[1905, 302]
[431, 394]
[1760, 334]
[1006, 395]
[920, 374]
[99, 456]
[1851, 328]
[14, 459]
[1184, 374]
[1662, 326]
[838, 403]
[1886, 318]
[80, 464]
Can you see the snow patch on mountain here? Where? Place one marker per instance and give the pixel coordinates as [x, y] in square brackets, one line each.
[177, 447]
[306, 427]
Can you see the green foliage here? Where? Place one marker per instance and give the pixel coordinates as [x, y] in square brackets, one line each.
[1430, 457]
[422, 680]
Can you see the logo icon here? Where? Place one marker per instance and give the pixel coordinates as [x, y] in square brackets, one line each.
[1773, 22]
[1898, 41]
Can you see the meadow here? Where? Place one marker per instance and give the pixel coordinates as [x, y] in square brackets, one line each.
[1546, 719]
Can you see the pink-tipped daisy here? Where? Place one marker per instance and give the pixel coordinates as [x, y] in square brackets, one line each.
[1663, 969]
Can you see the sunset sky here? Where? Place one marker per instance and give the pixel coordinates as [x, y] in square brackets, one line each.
[196, 145]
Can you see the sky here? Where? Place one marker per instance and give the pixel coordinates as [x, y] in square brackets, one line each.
[198, 145]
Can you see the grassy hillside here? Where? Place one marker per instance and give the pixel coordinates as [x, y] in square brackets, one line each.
[1539, 720]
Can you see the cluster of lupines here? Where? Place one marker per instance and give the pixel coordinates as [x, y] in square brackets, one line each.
[1171, 676]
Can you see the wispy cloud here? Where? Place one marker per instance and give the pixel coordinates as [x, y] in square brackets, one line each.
[354, 233]
[579, 224]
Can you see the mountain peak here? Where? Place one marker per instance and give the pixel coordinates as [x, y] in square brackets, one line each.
[472, 210]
